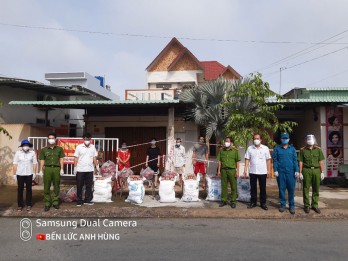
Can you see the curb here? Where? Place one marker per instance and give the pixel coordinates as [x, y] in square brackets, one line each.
[170, 212]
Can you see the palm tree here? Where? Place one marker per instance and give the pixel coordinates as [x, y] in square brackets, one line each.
[206, 106]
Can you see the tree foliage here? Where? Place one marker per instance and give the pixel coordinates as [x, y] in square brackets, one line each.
[237, 108]
[250, 112]
[206, 106]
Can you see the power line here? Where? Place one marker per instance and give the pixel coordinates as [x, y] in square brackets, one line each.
[297, 54]
[328, 77]
[162, 36]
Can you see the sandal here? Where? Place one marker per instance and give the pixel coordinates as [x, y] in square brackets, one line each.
[19, 209]
[28, 208]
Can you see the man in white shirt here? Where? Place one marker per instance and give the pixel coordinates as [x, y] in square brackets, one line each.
[179, 159]
[258, 165]
[24, 165]
[84, 163]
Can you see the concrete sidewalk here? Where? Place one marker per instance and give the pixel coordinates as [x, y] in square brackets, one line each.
[333, 203]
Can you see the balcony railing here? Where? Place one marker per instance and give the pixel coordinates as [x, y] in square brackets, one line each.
[150, 95]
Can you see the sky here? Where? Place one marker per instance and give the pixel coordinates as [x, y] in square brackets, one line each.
[308, 38]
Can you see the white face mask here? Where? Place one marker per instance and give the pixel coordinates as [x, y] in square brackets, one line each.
[51, 141]
[153, 142]
[87, 142]
[227, 144]
[257, 142]
[310, 142]
[25, 148]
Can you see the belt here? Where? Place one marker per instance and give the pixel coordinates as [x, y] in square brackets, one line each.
[228, 168]
[52, 166]
[311, 167]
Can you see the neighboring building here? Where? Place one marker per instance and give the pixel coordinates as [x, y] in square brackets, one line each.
[174, 68]
[22, 122]
[324, 113]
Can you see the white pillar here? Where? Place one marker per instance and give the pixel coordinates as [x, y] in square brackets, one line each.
[170, 137]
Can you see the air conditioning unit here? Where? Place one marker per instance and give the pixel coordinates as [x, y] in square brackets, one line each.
[46, 98]
[49, 98]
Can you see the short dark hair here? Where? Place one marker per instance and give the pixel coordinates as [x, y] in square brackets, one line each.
[256, 133]
[231, 140]
[52, 134]
[334, 133]
[178, 139]
[87, 135]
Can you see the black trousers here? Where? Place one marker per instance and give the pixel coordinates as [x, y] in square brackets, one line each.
[84, 179]
[27, 180]
[253, 188]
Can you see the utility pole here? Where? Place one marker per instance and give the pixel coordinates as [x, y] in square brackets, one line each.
[280, 79]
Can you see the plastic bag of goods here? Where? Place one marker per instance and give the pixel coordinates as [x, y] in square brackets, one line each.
[166, 189]
[102, 190]
[243, 188]
[136, 190]
[147, 173]
[108, 169]
[214, 188]
[71, 195]
[168, 173]
[125, 173]
[191, 188]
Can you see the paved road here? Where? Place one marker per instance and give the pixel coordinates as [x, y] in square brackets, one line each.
[182, 239]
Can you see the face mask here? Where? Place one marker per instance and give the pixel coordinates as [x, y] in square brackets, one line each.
[51, 141]
[25, 148]
[257, 142]
[285, 141]
[124, 147]
[153, 142]
[201, 141]
[227, 144]
[310, 142]
[87, 142]
[177, 145]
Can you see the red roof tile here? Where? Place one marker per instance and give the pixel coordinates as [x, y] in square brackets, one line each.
[214, 69]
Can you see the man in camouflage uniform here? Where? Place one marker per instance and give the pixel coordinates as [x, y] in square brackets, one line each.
[311, 172]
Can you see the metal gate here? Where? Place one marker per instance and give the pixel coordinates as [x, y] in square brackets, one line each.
[107, 150]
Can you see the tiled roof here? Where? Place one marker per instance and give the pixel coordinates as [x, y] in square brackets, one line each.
[212, 69]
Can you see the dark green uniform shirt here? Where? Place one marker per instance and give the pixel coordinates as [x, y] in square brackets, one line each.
[311, 157]
[52, 156]
[228, 158]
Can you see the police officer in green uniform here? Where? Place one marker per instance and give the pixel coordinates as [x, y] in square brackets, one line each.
[228, 165]
[51, 162]
[311, 172]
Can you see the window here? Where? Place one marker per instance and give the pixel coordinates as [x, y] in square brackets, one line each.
[163, 85]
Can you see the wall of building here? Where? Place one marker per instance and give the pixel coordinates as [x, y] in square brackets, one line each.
[172, 76]
[345, 135]
[27, 114]
[8, 147]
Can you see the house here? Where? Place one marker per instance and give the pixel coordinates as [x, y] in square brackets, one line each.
[324, 113]
[22, 122]
[175, 68]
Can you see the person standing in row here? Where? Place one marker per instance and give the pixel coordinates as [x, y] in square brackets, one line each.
[259, 159]
[228, 166]
[179, 159]
[286, 170]
[123, 157]
[153, 158]
[200, 157]
[52, 164]
[84, 163]
[24, 165]
[311, 160]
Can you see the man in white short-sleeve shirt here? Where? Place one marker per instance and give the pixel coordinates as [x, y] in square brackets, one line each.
[84, 163]
[258, 165]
